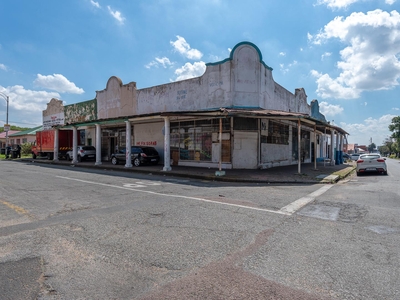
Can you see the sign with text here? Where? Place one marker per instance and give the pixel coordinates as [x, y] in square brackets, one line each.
[53, 120]
[6, 127]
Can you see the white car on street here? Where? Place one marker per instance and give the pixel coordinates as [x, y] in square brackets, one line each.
[372, 162]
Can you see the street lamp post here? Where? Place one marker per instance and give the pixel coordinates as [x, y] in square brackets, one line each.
[7, 99]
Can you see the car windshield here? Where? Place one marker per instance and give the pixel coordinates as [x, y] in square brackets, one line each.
[88, 148]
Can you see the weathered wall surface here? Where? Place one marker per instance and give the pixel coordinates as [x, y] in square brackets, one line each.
[81, 112]
[150, 135]
[245, 76]
[53, 115]
[116, 100]
[243, 81]
[315, 113]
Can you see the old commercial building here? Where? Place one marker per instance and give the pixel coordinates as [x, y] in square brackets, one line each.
[233, 116]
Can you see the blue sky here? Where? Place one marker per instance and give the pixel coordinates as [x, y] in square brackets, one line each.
[344, 53]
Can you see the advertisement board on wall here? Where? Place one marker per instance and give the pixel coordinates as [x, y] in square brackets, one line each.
[53, 120]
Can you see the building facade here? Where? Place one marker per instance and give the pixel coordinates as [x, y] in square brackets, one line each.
[233, 116]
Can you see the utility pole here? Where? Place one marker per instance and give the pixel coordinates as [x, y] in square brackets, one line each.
[6, 126]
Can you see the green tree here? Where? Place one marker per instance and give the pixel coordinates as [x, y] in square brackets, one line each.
[395, 128]
[13, 127]
[371, 147]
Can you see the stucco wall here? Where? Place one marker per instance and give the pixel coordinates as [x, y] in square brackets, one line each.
[150, 135]
[81, 112]
[53, 115]
[243, 80]
[117, 99]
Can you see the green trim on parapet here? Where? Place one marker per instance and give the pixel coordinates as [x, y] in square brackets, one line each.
[233, 50]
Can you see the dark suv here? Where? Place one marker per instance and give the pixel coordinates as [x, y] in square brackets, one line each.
[139, 155]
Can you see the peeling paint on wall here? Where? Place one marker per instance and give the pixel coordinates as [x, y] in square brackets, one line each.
[81, 112]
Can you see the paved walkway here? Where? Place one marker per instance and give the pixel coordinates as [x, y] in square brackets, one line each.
[285, 174]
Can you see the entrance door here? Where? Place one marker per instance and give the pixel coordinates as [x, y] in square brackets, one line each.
[245, 150]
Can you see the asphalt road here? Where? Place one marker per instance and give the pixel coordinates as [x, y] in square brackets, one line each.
[68, 233]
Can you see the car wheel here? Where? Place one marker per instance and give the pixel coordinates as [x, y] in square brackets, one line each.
[136, 162]
[68, 157]
[385, 173]
[79, 158]
[114, 160]
[33, 155]
[358, 174]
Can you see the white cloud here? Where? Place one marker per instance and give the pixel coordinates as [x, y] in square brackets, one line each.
[330, 109]
[282, 53]
[95, 4]
[396, 108]
[3, 67]
[164, 61]
[377, 129]
[116, 15]
[286, 68]
[28, 100]
[326, 54]
[336, 4]
[370, 62]
[190, 70]
[331, 88]
[58, 83]
[390, 2]
[183, 48]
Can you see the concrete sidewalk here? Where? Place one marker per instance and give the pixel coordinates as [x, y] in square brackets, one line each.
[284, 174]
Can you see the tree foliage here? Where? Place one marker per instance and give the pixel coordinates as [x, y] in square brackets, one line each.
[395, 129]
[12, 127]
[371, 147]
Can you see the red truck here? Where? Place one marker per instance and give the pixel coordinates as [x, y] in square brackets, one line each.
[44, 145]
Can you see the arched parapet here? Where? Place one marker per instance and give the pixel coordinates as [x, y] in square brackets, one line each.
[117, 99]
[53, 115]
[234, 50]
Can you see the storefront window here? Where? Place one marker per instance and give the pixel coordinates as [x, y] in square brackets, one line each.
[192, 140]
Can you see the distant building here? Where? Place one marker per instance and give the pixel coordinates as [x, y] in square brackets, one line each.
[26, 136]
[3, 138]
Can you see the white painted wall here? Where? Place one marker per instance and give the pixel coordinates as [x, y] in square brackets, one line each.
[150, 134]
[243, 80]
[245, 150]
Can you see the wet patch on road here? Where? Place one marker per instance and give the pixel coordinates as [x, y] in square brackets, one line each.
[334, 211]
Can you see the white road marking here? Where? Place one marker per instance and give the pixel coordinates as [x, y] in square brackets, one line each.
[126, 187]
[299, 203]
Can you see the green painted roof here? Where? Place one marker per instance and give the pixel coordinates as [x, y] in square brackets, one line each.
[30, 131]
